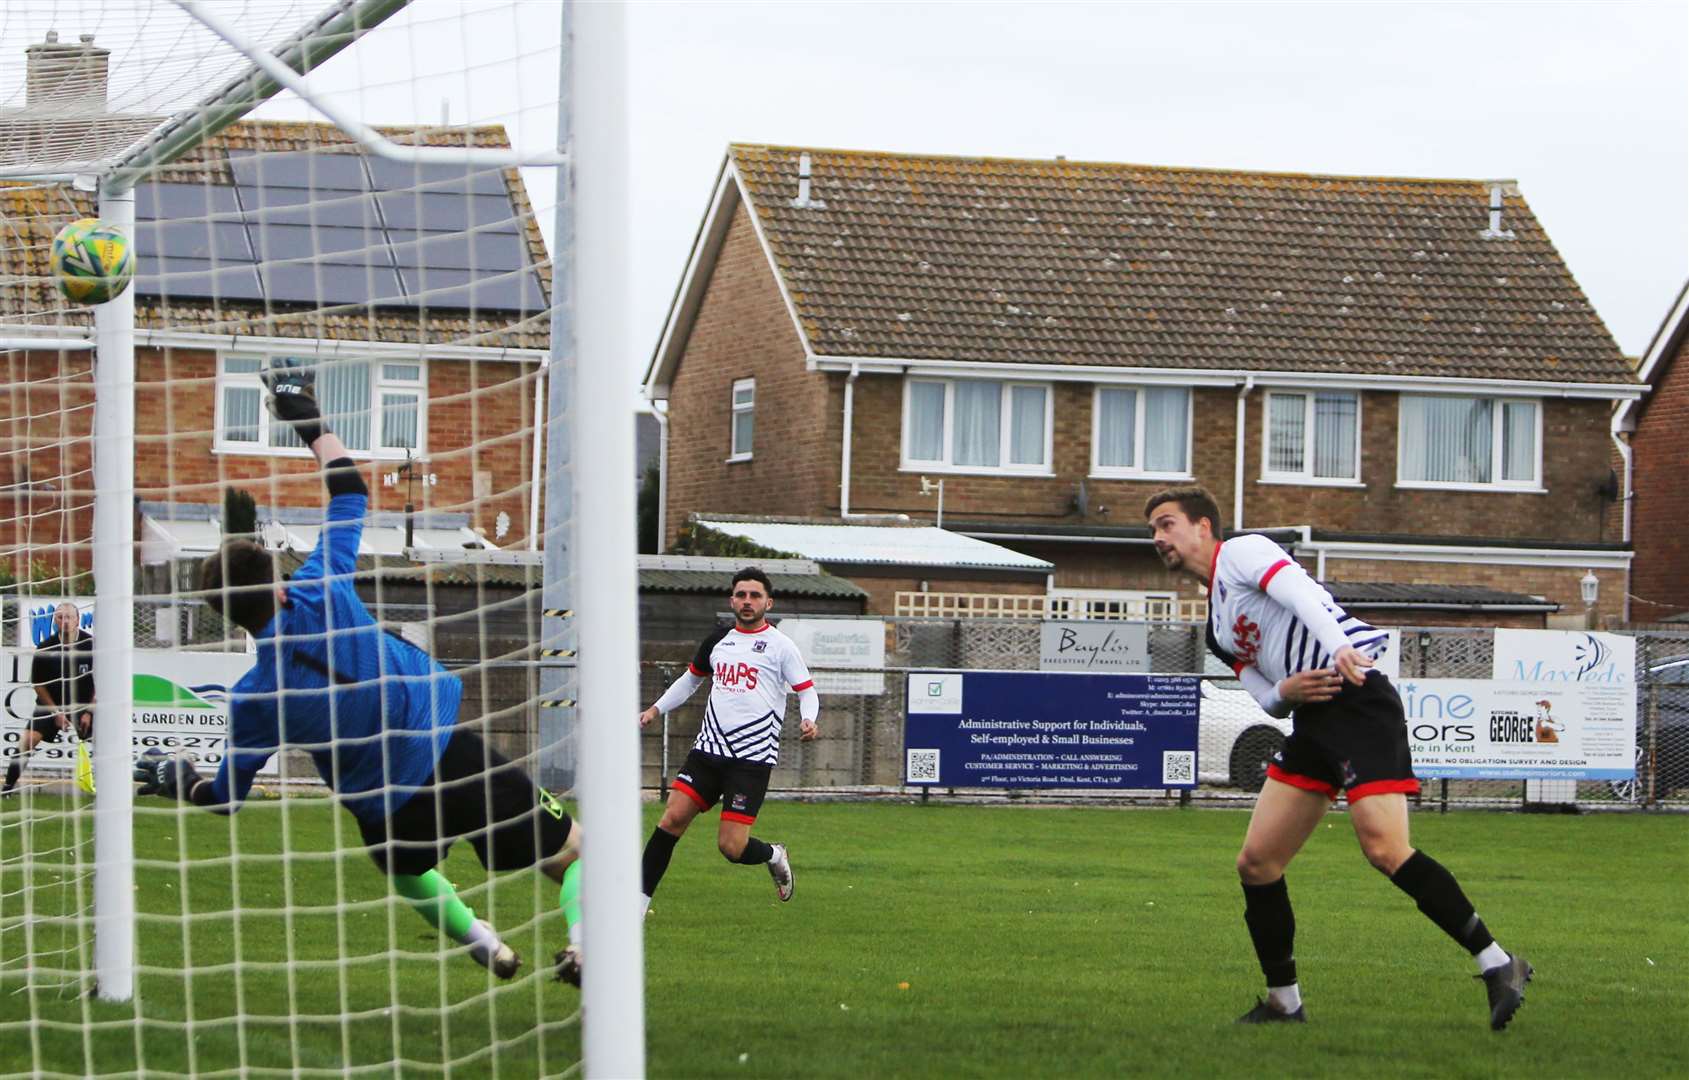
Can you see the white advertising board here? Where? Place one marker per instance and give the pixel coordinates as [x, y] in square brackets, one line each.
[181, 703]
[831, 647]
[1486, 729]
[1104, 646]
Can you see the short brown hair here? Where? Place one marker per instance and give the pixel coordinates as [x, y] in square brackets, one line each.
[238, 580]
[1193, 500]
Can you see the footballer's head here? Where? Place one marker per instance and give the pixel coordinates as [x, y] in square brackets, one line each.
[752, 596]
[238, 581]
[1184, 523]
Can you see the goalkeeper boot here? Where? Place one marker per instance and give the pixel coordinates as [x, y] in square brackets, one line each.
[1506, 986]
[569, 966]
[1264, 1013]
[490, 951]
[780, 869]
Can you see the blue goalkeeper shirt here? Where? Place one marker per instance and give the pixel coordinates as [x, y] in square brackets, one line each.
[372, 710]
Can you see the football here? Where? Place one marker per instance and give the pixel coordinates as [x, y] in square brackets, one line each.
[91, 261]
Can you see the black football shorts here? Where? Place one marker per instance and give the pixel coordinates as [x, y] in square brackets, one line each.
[1356, 743]
[476, 794]
[740, 786]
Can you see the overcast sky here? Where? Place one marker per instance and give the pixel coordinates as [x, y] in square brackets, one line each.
[1586, 105]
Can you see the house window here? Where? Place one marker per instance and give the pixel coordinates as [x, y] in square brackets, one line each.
[1313, 437]
[1141, 431]
[976, 425]
[744, 419]
[1470, 442]
[375, 406]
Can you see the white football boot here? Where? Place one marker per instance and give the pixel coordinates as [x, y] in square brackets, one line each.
[780, 869]
[493, 954]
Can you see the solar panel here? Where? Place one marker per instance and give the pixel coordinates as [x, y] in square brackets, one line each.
[297, 206]
[328, 228]
[490, 251]
[223, 241]
[435, 287]
[329, 284]
[454, 213]
[302, 169]
[334, 245]
[174, 278]
[401, 176]
[174, 201]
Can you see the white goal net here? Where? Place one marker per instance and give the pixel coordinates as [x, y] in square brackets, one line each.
[357, 200]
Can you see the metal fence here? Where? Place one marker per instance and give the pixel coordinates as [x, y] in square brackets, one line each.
[861, 744]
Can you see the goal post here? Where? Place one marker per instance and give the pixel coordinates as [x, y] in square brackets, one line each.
[173, 428]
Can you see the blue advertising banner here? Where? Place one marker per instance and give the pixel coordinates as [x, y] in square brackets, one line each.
[1043, 729]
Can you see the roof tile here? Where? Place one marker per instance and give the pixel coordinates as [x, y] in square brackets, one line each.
[1059, 262]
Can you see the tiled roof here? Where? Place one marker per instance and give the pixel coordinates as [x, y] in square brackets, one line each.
[721, 583]
[31, 215]
[1395, 594]
[1066, 262]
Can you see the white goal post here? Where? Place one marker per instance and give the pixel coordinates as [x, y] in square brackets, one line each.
[590, 578]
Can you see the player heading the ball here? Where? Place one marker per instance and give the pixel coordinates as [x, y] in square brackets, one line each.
[1301, 654]
[377, 715]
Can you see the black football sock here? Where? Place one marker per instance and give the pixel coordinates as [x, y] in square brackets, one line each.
[756, 852]
[658, 849]
[13, 770]
[1438, 895]
[1272, 927]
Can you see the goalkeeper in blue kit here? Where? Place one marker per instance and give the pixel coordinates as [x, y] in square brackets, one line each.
[377, 715]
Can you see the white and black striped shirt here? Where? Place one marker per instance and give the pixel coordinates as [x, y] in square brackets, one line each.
[1265, 612]
[750, 675]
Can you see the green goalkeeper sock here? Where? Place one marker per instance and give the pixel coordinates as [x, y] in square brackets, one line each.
[569, 899]
[434, 898]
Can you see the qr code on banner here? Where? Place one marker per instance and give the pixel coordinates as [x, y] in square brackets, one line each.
[1178, 766]
[923, 766]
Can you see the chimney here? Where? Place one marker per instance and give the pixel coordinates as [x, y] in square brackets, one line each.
[804, 200]
[70, 77]
[1498, 190]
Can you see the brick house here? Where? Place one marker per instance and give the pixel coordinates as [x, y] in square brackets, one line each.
[418, 292]
[1657, 429]
[1400, 378]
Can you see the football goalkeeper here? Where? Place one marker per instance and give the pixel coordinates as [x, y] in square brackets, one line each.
[376, 714]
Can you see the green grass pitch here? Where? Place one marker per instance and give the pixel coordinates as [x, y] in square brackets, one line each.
[1033, 942]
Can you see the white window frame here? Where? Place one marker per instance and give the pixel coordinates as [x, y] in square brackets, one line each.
[1306, 477]
[1534, 486]
[377, 385]
[1005, 428]
[1100, 471]
[1136, 601]
[734, 409]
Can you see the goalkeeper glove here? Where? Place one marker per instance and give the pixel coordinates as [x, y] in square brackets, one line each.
[292, 397]
[171, 775]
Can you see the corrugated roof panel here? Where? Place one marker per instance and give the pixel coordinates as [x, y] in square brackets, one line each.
[880, 545]
[720, 581]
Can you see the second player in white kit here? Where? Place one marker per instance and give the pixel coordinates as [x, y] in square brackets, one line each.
[751, 668]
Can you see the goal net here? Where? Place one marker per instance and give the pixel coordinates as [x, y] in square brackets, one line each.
[362, 197]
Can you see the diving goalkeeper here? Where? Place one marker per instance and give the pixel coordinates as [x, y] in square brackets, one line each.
[376, 714]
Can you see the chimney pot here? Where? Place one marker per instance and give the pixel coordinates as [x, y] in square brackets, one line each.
[65, 76]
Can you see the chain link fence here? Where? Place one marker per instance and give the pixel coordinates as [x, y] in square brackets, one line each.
[861, 744]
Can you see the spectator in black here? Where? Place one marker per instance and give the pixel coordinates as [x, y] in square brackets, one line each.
[63, 675]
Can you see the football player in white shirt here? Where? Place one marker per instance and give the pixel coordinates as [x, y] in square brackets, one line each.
[751, 666]
[1299, 653]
